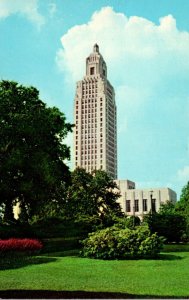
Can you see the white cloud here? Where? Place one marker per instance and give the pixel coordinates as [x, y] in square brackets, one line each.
[183, 174]
[141, 56]
[29, 9]
[148, 65]
[126, 44]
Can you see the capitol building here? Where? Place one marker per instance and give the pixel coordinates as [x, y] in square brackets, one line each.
[95, 138]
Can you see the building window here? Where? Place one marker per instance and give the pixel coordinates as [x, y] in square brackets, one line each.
[128, 205]
[136, 208]
[153, 205]
[92, 71]
[145, 207]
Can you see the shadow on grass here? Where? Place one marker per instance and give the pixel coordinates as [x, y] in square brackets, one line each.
[176, 248]
[49, 294]
[165, 256]
[19, 262]
[15, 262]
[74, 253]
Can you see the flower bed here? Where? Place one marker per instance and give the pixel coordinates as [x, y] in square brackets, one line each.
[20, 245]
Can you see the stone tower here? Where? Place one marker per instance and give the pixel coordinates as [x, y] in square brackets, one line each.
[95, 133]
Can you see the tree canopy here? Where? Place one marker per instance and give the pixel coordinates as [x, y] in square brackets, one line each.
[168, 222]
[32, 148]
[183, 204]
[92, 194]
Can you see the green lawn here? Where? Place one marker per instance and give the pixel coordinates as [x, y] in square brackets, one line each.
[164, 277]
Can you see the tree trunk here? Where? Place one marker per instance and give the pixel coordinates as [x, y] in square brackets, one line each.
[9, 215]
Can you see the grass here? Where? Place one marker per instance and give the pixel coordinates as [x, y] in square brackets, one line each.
[66, 271]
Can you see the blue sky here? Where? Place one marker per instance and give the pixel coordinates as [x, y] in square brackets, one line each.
[145, 44]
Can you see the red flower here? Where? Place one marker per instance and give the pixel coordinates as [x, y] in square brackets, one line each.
[20, 245]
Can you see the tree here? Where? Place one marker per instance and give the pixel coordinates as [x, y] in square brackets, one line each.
[128, 222]
[105, 194]
[182, 206]
[78, 200]
[32, 152]
[91, 194]
[167, 208]
[167, 222]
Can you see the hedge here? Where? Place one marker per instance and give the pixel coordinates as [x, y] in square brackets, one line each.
[20, 245]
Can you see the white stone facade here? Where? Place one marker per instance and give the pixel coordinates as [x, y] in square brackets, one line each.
[125, 184]
[95, 137]
[95, 118]
[139, 202]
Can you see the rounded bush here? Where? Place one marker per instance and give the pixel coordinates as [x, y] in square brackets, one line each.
[112, 243]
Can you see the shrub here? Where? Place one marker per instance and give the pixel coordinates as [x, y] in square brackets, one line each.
[16, 231]
[172, 226]
[88, 223]
[57, 228]
[20, 245]
[112, 243]
[128, 222]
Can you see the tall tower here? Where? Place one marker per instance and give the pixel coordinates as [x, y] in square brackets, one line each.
[95, 132]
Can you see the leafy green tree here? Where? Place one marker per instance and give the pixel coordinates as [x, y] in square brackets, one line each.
[128, 222]
[168, 222]
[167, 208]
[32, 152]
[78, 194]
[182, 206]
[92, 194]
[105, 194]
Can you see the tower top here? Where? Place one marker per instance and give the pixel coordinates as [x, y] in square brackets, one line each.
[96, 48]
[95, 64]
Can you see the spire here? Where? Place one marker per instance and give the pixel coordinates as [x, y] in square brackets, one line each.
[96, 48]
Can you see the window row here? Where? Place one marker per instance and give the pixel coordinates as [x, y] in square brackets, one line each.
[89, 155]
[89, 86]
[89, 91]
[144, 205]
[89, 168]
